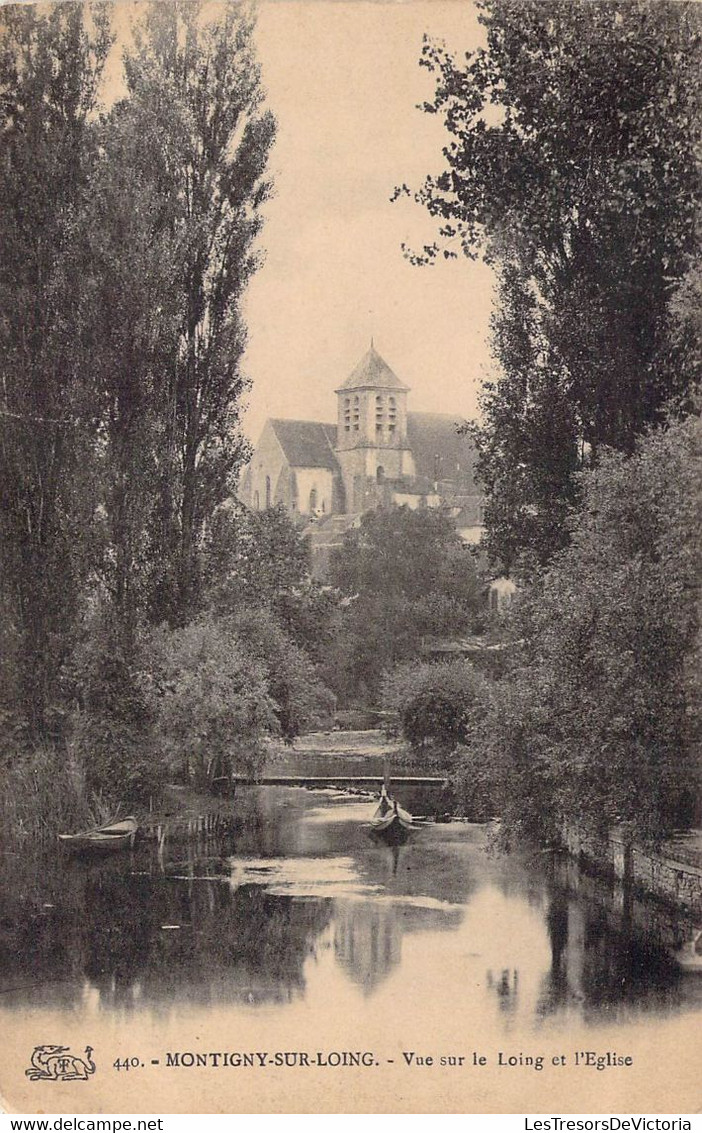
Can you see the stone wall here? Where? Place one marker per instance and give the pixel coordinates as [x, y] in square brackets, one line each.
[671, 880]
[675, 881]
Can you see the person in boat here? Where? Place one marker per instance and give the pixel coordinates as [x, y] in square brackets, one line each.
[385, 801]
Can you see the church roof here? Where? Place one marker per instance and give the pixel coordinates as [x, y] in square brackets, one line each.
[307, 444]
[372, 372]
[439, 451]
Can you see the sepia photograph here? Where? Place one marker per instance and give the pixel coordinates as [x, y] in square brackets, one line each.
[351, 557]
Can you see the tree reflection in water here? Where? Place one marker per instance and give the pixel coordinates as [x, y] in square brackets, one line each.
[608, 953]
[218, 945]
[235, 918]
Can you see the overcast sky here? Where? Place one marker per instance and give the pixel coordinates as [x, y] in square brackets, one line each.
[343, 81]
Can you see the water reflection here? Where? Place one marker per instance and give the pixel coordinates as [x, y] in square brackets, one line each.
[505, 986]
[243, 914]
[367, 943]
[143, 939]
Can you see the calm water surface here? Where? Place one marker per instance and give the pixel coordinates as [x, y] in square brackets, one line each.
[296, 891]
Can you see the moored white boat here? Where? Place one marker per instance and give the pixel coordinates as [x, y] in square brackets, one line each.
[103, 839]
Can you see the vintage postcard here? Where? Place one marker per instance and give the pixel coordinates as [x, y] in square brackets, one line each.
[349, 748]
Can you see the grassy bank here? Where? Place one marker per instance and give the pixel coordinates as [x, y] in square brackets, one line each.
[43, 792]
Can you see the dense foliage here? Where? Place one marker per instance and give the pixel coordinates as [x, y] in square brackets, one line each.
[258, 560]
[572, 165]
[109, 729]
[300, 699]
[437, 705]
[50, 72]
[127, 246]
[128, 240]
[405, 576]
[211, 700]
[600, 722]
[193, 137]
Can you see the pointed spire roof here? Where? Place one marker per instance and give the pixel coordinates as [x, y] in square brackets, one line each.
[372, 372]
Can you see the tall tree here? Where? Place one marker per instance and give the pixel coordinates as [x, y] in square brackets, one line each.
[199, 139]
[572, 166]
[50, 68]
[134, 313]
[128, 240]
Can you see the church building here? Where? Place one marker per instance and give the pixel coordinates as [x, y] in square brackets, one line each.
[378, 453]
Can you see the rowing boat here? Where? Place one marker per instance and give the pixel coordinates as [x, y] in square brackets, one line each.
[103, 839]
[391, 822]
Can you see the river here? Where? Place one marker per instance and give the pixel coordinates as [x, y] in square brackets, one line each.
[289, 931]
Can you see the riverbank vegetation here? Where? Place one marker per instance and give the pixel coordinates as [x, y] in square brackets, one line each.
[595, 717]
[437, 706]
[583, 192]
[598, 720]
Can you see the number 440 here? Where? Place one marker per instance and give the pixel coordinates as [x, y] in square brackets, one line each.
[127, 1064]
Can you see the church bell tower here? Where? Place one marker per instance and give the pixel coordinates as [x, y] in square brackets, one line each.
[371, 443]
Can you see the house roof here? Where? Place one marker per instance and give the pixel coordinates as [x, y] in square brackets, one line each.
[307, 444]
[440, 452]
[372, 372]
